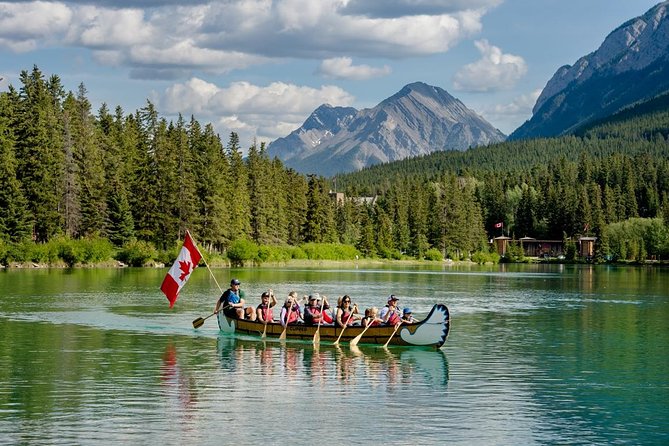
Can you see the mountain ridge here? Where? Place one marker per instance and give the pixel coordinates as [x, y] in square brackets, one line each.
[631, 65]
[417, 120]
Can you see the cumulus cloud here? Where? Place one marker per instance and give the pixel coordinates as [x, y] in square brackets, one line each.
[254, 31]
[343, 68]
[399, 8]
[267, 112]
[494, 71]
[511, 115]
[24, 25]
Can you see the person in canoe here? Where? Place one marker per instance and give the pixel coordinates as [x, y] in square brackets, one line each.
[390, 314]
[264, 311]
[371, 317]
[313, 312]
[232, 303]
[346, 315]
[407, 316]
[290, 312]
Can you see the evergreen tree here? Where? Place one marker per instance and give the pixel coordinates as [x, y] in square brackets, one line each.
[39, 150]
[296, 206]
[238, 224]
[15, 223]
[120, 224]
[211, 169]
[90, 161]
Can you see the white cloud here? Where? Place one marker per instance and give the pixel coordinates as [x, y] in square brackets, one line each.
[218, 37]
[494, 71]
[507, 117]
[23, 25]
[343, 68]
[265, 112]
[398, 8]
[95, 27]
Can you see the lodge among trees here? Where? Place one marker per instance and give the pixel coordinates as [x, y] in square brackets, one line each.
[135, 177]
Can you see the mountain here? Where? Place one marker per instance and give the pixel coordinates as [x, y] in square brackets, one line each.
[631, 66]
[417, 120]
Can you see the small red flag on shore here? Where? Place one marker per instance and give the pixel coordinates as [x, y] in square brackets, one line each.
[180, 271]
[499, 225]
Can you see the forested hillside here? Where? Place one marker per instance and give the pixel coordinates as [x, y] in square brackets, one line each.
[66, 171]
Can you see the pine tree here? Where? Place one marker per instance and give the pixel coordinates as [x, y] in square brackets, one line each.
[238, 224]
[211, 170]
[39, 150]
[15, 223]
[90, 169]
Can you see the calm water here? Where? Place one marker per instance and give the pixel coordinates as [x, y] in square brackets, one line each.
[536, 355]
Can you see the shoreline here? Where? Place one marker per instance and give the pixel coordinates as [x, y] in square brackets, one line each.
[327, 263]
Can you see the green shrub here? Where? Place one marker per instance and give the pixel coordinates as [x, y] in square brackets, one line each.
[482, 257]
[329, 251]
[298, 253]
[433, 254]
[19, 252]
[271, 253]
[137, 253]
[96, 250]
[241, 251]
[69, 251]
[4, 249]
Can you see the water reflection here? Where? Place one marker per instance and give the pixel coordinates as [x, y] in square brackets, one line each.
[180, 384]
[350, 369]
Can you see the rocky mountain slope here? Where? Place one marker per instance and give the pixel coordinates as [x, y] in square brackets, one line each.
[631, 66]
[417, 120]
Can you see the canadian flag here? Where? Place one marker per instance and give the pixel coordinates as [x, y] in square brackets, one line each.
[499, 225]
[180, 271]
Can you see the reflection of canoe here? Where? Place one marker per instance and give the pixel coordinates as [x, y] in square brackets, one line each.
[431, 331]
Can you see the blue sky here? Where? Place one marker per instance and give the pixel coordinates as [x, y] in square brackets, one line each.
[260, 67]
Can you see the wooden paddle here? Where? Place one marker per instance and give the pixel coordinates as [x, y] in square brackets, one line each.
[344, 328]
[264, 331]
[317, 335]
[355, 340]
[393, 333]
[197, 323]
[282, 336]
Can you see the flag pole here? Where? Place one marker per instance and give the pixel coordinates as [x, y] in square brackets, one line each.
[209, 269]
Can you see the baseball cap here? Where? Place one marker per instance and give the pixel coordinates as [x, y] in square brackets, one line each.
[235, 282]
[407, 310]
[393, 297]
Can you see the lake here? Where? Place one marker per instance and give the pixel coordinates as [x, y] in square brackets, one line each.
[537, 354]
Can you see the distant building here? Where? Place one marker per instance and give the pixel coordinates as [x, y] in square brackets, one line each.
[339, 198]
[545, 248]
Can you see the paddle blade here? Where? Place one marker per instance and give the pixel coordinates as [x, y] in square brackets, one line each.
[355, 340]
[282, 336]
[197, 323]
[317, 338]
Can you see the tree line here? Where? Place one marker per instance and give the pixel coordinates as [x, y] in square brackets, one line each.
[126, 177]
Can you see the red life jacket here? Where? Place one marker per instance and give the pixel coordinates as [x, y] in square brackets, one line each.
[292, 315]
[394, 318]
[267, 313]
[327, 317]
[347, 317]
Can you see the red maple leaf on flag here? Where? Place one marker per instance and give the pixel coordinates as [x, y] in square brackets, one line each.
[186, 269]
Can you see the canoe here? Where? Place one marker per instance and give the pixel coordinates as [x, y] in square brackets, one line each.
[431, 331]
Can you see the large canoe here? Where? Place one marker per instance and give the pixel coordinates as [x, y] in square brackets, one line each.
[431, 331]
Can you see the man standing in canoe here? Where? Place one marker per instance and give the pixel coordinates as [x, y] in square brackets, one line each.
[232, 302]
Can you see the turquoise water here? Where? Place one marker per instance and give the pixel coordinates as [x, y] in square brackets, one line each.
[536, 355]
